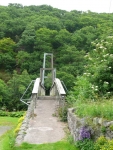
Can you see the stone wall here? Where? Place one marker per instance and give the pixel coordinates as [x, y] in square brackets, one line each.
[95, 126]
[24, 126]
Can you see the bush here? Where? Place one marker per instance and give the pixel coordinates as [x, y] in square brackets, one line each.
[4, 113]
[20, 120]
[11, 114]
[101, 143]
[86, 144]
[62, 112]
[82, 90]
[16, 114]
[18, 128]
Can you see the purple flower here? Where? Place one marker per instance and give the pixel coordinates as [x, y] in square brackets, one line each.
[84, 133]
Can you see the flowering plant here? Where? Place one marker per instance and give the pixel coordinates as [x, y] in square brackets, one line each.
[85, 133]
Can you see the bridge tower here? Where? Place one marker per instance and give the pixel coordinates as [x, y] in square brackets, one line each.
[44, 69]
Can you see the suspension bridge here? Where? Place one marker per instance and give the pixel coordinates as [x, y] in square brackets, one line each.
[40, 124]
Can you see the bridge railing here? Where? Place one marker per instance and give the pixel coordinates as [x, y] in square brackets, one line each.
[38, 90]
[22, 99]
[58, 90]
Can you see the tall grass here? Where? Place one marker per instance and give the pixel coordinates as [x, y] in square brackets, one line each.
[102, 109]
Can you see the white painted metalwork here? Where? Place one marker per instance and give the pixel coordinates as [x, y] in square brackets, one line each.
[44, 66]
[23, 100]
[64, 86]
[36, 86]
[60, 87]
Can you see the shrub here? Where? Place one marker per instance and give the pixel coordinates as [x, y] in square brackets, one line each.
[84, 141]
[16, 114]
[4, 113]
[62, 112]
[111, 127]
[82, 90]
[11, 114]
[101, 143]
[103, 129]
[20, 119]
[86, 144]
[17, 128]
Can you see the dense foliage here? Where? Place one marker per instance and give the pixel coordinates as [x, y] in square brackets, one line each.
[78, 41]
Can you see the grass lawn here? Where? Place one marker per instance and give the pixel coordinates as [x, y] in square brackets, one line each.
[7, 139]
[62, 145]
[10, 121]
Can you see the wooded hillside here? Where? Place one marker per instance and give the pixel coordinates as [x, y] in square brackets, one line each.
[81, 42]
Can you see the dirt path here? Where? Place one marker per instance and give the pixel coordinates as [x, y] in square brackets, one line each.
[45, 128]
[4, 129]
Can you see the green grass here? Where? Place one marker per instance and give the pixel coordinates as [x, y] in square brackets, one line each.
[102, 109]
[7, 139]
[62, 145]
[8, 121]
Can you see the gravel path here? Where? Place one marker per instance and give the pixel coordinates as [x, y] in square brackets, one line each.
[4, 129]
[45, 128]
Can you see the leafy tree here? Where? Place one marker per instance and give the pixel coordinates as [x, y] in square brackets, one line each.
[4, 94]
[7, 62]
[7, 45]
[22, 60]
[31, 62]
[27, 40]
[67, 78]
[71, 21]
[62, 37]
[7, 55]
[17, 85]
[44, 40]
[100, 65]
[97, 80]
[82, 38]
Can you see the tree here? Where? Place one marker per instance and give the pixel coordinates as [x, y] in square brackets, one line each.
[44, 40]
[7, 55]
[7, 45]
[4, 94]
[82, 38]
[100, 66]
[97, 79]
[17, 85]
[67, 78]
[27, 40]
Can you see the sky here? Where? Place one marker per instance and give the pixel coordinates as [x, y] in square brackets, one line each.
[80, 5]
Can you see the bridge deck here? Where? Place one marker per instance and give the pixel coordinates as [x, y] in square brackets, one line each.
[45, 127]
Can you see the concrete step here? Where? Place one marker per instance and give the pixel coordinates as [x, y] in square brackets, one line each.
[47, 98]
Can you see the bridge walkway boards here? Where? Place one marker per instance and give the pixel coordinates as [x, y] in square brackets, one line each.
[45, 127]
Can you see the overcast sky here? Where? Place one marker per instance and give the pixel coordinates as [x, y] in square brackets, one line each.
[83, 5]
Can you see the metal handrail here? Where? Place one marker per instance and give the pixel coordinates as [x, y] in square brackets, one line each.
[64, 86]
[23, 100]
[61, 94]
